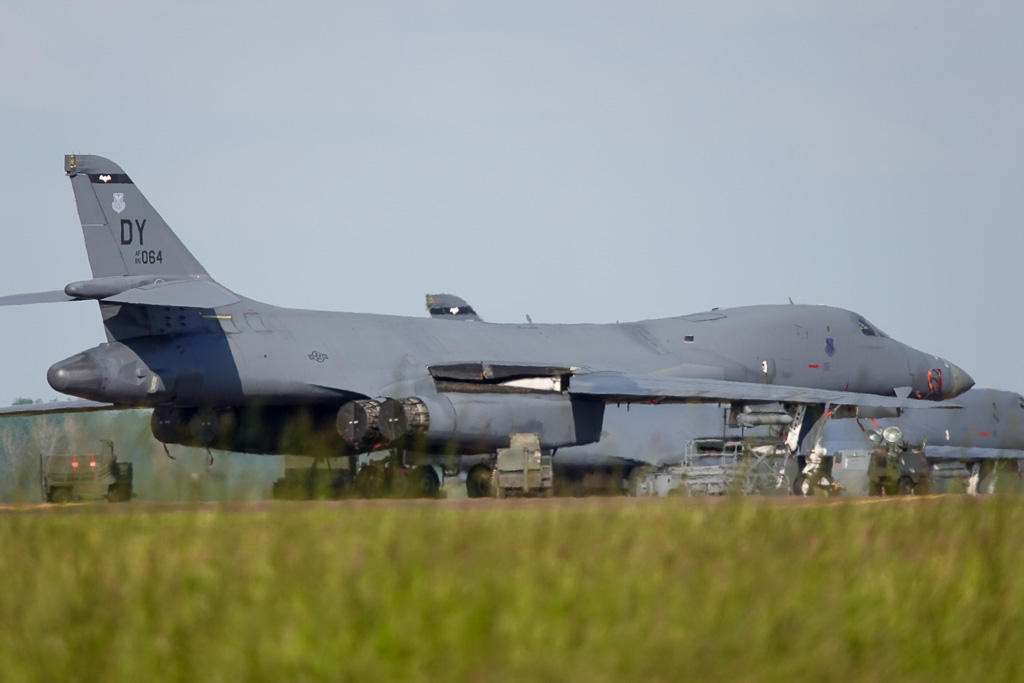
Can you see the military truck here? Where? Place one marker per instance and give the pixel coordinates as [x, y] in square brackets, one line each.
[65, 478]
[895, 467]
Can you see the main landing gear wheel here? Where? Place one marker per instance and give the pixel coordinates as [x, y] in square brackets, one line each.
[423, 482]
[478, 482]
[370, 481]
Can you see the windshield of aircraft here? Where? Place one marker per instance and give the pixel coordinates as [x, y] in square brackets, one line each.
[1020, 400]
[869, 330]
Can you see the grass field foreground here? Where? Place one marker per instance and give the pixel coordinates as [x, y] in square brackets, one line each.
[591, 590]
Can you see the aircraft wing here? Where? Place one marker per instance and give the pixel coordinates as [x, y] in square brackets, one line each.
[31, 409]
[621, 387]
[617, 387]
[958, 453]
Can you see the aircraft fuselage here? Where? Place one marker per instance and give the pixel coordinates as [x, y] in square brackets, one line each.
[254, 353]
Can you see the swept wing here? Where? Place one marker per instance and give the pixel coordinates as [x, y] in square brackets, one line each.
[618, 387]
[31, 409]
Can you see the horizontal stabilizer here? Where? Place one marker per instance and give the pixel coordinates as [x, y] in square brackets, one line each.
[36, 298]
[968, 454]
[186, 293]
[30, 409]
[617, 387]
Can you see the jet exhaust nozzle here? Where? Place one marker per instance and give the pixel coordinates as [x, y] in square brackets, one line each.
[358, 423]
[365, 423]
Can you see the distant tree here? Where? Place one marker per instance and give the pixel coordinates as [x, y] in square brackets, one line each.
[22, 401]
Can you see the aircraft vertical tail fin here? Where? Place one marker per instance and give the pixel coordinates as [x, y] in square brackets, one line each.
[124, 235]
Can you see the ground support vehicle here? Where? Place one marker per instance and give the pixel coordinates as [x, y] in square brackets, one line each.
[715, 467]
[65, 478]
[521, 469]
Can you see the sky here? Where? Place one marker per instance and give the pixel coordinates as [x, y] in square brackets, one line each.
[570, 161]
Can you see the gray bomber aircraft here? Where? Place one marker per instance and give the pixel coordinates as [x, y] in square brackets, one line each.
[642, 446]
[228, 372]
[984, 431]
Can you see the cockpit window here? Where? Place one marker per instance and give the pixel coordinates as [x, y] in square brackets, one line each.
[869, 330]
[1020, 400]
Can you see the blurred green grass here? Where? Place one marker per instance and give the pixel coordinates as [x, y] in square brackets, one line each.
[589, 590]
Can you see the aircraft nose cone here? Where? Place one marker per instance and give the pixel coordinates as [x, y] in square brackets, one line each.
[959, 382]
[79, 375]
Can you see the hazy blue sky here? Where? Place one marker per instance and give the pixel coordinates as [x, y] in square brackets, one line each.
[574, 161]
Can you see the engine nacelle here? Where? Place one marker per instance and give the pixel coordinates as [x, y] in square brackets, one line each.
[210, 427]
[169, 425]
[265, 430]
[196, 427]
[470, 423]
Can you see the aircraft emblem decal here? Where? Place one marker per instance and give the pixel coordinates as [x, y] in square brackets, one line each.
[830, 346]
[318, 357]
[105, 178]
[118, 203]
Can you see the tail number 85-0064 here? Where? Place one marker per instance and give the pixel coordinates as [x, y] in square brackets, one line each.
[147, 257]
